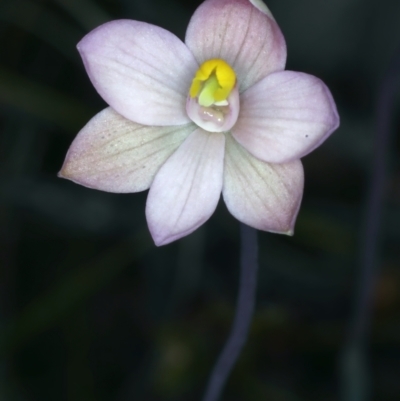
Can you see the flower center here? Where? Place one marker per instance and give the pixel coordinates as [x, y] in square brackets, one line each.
[213, 82]
[213, 100]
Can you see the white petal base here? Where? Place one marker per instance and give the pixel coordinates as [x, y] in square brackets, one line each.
[215, 118]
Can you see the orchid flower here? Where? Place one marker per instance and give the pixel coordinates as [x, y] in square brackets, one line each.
[190, 120]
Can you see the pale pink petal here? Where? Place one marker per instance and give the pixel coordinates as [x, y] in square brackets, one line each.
[142, 71]
[186, 190]
[285, 116]
[239, 33]
[262, 195]
[114, 154]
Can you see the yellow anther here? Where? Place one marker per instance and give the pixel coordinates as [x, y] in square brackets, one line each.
[213, 82]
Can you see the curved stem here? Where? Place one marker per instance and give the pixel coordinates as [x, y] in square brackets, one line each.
[355, 367]
[244, 313]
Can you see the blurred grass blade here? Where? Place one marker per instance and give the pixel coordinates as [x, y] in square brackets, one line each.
[44, 24]
[42, 101]
[324, 232]
[86, 12]
[70, 291]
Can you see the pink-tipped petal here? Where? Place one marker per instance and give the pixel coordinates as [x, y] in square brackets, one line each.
[262, 195]
[239, 33]
[142, 71]
[114, 154]
[186, 190]
[285, 116]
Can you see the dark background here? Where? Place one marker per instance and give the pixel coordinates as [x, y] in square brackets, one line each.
[91, 310]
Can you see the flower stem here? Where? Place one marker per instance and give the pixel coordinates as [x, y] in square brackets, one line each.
[244, 313]
[355, 365]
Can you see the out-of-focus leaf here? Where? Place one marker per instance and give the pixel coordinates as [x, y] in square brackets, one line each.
[86, 12]
[326, 233]
[42, 101]
[44, 24]
[70, 291]
[68, 206]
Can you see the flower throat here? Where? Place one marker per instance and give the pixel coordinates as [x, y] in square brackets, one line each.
[213, 100]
